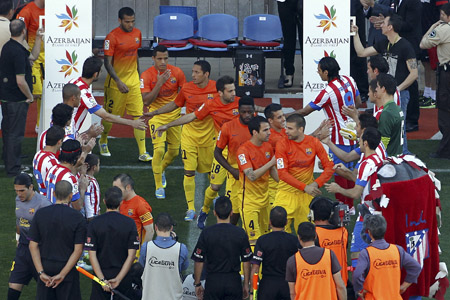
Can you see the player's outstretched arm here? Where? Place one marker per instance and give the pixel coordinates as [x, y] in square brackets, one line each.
[341, 154]
[180, 121]
[353, 193]
[171, 106]
[303, 111]
[123, 88]
[138, 123]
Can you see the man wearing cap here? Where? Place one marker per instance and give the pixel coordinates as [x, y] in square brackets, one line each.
[163, 259]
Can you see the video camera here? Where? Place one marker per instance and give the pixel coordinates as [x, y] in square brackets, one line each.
[340, 214]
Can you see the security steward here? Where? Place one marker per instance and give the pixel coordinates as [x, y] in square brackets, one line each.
[377, 274]
[439, 35]
[330, 236]
[273, 250]
[222, 247]
[314, 272]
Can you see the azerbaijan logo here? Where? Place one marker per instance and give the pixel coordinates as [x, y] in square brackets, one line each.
[68, 64]
[68, 20]
[326, 54]
[328, 19]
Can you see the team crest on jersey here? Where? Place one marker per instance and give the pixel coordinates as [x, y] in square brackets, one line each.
[210, 96]
[267, 154]
[173, 80]
[308, 151]
[280, 163]
[130, 212]
[137, 40]
[235, 112]
[242, 159]
[31, 211]
[106, 45]
[417, 245]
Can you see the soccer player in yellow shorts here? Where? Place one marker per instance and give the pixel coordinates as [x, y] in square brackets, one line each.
[197, 136]
[296, 156]
[256, 162]
[160, 85]
[122, 86]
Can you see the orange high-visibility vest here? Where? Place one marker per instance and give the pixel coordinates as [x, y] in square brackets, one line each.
[336, 240]
[383, 279]
[315, 281]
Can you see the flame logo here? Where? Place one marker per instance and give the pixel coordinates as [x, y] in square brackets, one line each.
[328, 19]
[68, 19]
[69, 64]
[325, 54]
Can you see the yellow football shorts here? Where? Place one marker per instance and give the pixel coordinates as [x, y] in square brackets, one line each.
[37, 73]
[197, 158]
[296, 205]
[255, 221]
[232, 191]
[117, 103]
[172, 136]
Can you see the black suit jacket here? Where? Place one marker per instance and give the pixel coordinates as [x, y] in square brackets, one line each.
[411, 13]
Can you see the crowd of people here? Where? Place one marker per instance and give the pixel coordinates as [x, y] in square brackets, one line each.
[264, 155]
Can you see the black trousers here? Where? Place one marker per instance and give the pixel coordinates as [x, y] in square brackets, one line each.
[413, 111]
[291, 17]
[443, 105]
[273, 288]
[223, 286]
[68, 289]
[13, 130]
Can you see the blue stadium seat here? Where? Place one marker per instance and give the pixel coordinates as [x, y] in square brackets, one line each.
[187, 10]
[263, 31]
[173, 31]
[216, 29]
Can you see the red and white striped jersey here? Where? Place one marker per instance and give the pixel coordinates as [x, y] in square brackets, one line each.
[56, 174]
[92, 198]
[42, 162]
[377, 111]
[69, 135]
[380, 151]
[87, 104]
[340, 92]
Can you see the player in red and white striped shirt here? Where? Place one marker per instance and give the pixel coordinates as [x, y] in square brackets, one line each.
[92, 196]
[61, 116]
[47, 158]
[369, 142]
[70, 153]
[340, 92]
[91, 72]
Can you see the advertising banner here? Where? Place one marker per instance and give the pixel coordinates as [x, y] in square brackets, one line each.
[326, 32]
[68, 42]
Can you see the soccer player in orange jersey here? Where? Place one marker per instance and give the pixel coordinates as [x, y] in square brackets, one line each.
[198, 136]
[122, 86]
[30, 14]
[256, 161]
[296, 156]
[232, 135]
[275, 116]
[160, 85]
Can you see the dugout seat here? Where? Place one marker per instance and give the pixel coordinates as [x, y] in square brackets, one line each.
[217, 32]
[173, 31]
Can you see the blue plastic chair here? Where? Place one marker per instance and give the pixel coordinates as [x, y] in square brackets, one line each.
[214, 30]
[187, 10]
[262, 28]
[174, 29]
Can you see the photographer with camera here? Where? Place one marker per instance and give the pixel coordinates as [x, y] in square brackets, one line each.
[163, 259]
[329, 228]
